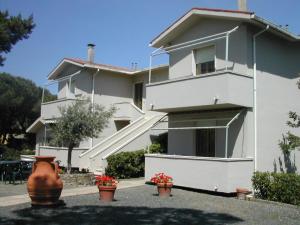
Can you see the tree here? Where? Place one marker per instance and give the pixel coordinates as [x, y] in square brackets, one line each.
[290, 141]
[20, 102]
[12, 30]
[80, 121]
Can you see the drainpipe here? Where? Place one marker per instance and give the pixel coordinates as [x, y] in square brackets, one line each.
[93, 87]
[92, 99]
[254, 95]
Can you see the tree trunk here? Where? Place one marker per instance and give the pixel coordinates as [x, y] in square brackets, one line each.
[70, 148]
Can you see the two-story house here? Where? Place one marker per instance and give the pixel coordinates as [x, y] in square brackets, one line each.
[224, 101]
[232, 81]
[107, 85]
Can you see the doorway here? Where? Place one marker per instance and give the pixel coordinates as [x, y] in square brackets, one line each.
[205, 142]
[121, 124]
[138, 95]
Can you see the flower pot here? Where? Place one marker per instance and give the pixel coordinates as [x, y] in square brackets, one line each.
[164, 189]
[241, 193]
[107, 193]
[44, 186]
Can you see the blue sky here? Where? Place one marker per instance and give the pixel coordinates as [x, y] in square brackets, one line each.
[121, 29]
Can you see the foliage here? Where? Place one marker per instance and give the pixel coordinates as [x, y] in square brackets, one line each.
[281, 187]
[12, 30]
[126, 164]
[290, 141]
[20, 101]
[9, 153]
[79, 121]
[105, 181]
[161, 178]
[155, 148]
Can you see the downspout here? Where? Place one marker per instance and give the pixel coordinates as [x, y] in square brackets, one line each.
[92, 99]
[254, 95]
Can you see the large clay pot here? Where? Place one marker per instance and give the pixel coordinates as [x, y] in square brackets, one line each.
[107, 193]
[44, 185]
[164, 189]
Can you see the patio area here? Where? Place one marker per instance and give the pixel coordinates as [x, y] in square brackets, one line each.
[141, 205]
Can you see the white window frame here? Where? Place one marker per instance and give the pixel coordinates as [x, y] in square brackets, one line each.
[194, 62]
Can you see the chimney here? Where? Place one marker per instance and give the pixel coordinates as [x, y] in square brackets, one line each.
[91, 52]
[242, 5]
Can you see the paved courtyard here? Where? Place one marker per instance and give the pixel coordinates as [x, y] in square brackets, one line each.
[141, 205]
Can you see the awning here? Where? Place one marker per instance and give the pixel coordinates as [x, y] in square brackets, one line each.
[38, 124]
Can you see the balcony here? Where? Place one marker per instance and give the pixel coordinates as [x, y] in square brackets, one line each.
[127, 111]
[206, 173]
[50, 110]
[210, 91]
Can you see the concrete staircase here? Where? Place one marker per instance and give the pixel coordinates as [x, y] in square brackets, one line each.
[94, 159]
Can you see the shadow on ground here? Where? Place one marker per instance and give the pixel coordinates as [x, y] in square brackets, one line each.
[116, 215]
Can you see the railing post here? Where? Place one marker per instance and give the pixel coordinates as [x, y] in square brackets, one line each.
[45, 133]
[226, 143]
[227, 47]
[70, 80]
[150, 66]
[43, 94]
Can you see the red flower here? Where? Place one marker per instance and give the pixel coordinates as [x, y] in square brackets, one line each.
[161, 178]
[104, 180]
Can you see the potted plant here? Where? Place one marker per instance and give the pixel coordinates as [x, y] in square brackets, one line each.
[107, 186]
[241, 193]
[164, 184]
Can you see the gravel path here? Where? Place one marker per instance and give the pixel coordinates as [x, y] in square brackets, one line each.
[141, 205]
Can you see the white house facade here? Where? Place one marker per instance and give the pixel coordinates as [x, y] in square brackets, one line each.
[223, 99]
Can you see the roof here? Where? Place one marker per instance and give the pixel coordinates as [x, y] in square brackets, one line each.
[38, 123]
[86, 64]
[104, 66]
[250, 17]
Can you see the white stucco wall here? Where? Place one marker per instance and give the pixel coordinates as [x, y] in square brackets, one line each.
[181, 61]
[277, 94]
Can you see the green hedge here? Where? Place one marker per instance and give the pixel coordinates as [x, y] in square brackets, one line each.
[126, 164]
[280, 187]
[155, 148]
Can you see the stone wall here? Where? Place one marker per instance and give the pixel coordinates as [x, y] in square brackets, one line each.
[84, 179]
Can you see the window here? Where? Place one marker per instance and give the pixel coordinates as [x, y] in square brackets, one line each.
[204, 60]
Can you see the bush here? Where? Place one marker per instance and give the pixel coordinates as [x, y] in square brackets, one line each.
[126, 164]
[280, 187]
[155, 148]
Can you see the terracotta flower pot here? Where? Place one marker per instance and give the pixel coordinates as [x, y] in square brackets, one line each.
[241, 193]
[44, 185]
[107, 193]
[164, 189]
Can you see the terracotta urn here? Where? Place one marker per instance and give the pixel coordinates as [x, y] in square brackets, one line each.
[164, 189]
[107, 193]
[44, 184]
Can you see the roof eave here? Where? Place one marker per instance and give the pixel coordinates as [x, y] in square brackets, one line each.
[157, 41]
[53, 73]
[280, 31]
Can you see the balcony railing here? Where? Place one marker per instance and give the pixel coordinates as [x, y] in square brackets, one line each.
[50, 110]
[223, 88]
[61, 154]
[206, 173]
[127, 111]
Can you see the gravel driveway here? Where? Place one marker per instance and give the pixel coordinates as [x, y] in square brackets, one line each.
[141, 205]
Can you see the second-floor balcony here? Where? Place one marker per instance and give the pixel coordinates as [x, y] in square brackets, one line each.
[209, 91]
[50, 110]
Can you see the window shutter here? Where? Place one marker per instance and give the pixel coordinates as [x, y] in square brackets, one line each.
[205, 54]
